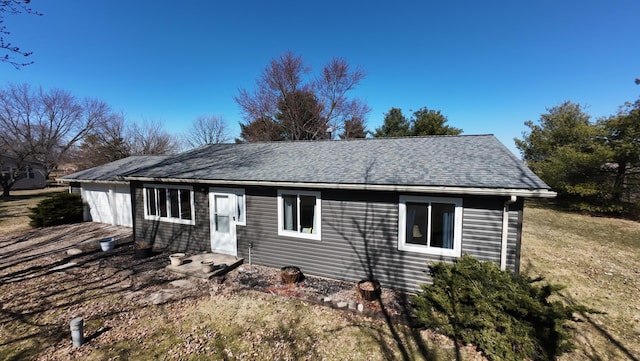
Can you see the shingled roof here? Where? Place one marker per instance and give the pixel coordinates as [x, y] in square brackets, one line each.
[114, 171]
[436, 163]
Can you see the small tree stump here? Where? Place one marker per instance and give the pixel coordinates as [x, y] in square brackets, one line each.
[290, 274]
[369, 290]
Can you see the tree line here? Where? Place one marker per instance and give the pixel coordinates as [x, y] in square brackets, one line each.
[593, 165]
[52, 127]
[288, 102]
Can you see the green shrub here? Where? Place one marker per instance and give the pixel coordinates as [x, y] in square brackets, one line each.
[61, 208]
[507, 316]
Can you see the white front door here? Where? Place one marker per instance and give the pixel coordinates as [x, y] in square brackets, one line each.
[223, 222]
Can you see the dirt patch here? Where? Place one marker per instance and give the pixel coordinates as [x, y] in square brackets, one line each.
[333, 293]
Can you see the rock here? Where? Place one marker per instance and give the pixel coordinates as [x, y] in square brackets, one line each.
[360, 307]
[157, 298]
[341, 304]
[352, 305]
[218, 279]
[181, 283]
[131, 295]
[125, 272]
[327, 300]
[109, 271]
[74, 251]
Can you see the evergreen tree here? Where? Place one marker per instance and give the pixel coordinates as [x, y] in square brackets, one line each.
[431, 122]
[423, 122]
[566, 150]
[395, 125]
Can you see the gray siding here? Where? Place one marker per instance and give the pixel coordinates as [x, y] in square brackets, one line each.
[482, 229]
[359, 235]
[173, 236]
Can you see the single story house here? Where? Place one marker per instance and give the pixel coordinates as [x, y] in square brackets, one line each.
[378, 208]
[35, 173]
[106, 194]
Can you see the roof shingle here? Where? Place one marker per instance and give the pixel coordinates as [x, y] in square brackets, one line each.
[479, 161]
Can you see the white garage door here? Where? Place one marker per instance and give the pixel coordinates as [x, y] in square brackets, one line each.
[108, 203]
[123, 206]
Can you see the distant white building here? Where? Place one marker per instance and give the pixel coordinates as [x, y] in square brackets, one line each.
[36, 174]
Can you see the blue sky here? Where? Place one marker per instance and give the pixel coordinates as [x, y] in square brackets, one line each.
[488, 66]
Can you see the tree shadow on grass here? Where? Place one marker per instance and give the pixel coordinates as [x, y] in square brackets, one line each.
[587, 347]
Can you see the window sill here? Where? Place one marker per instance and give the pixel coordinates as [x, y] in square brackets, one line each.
[442, 252]
[171, 220]
[311, 236]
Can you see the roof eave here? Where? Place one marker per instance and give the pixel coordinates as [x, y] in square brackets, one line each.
[528, 193]
[68, 180]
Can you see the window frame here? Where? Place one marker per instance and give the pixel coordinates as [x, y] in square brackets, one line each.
[317, 236]
[427, 249]
[168, 218]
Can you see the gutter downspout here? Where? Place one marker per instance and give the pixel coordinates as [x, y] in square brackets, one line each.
[505, 232]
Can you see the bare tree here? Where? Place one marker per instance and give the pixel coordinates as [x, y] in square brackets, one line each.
[13, 7]
[206, 129]
[150, 138]
[108, 142]
[300, 115]
[299, 106]
[42, 126]
[332, 86]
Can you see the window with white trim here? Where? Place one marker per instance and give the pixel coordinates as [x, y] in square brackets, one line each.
[431, 225]
[299, 214]
[169, 203]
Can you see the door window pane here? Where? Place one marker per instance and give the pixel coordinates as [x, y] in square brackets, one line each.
[222, 223]
[222, 213]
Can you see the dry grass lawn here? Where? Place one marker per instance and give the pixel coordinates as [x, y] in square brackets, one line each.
[598, 260]
[14, 211]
